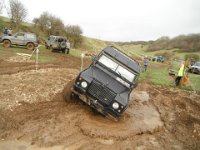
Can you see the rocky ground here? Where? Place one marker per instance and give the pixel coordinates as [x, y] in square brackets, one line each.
[34, 115]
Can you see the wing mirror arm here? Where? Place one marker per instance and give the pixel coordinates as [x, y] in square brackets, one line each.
[133, 85]
[94, 58]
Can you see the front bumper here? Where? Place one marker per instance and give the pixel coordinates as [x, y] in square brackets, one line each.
[106, 111]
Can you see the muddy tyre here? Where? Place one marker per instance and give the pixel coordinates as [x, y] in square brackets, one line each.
[64, 51]
[30, 46]
[50, 47]
[6, 43]
[67, 93]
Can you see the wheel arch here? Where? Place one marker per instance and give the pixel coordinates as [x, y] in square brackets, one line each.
[30, 43]
[7, 39]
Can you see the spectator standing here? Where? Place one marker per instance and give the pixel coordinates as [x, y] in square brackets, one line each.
[180, 74]
[146, 63]
[5, 32]
[68, 46]
[10, 31]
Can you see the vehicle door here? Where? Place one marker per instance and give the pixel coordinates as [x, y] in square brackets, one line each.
[52, 40]
[55, 43]
[19, 39]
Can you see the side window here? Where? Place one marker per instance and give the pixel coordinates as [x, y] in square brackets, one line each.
[30, 36]
[51, 38]
[20, 35]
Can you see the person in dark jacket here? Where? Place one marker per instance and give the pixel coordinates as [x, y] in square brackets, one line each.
[5, 32]
[146, 63]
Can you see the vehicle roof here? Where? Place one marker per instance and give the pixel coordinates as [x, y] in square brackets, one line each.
[123, 58]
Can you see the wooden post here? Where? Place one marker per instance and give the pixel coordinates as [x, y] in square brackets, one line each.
[36, 62]
[36, 59]
[82, 56]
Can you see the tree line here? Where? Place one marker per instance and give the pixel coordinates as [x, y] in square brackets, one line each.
[46, 24]
[187, 43]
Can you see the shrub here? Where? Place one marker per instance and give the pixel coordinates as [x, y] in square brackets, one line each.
[193, 57]
[166, 55]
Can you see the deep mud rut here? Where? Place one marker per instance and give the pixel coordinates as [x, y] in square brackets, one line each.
[34, 115]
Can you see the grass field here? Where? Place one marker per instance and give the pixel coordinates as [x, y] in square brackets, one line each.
[157, 73]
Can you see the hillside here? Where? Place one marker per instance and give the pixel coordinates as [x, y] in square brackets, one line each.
[142, 50]
[44, 119]
[170, 49]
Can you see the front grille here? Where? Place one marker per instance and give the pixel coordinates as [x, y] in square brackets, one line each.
[101, 93]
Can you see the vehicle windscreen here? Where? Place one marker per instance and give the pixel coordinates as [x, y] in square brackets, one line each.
[116, 67]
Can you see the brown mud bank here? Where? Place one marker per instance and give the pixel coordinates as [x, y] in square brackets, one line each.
[33, 111]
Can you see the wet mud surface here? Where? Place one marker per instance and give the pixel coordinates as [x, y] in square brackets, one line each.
[34, 114]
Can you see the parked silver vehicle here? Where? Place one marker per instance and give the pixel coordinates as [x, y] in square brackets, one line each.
[20, 38]
[195, 68]
[58, 43]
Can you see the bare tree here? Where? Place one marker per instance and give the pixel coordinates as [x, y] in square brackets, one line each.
[42, 21]
[56, 26]
[17, 12]
[50, 24]
[73, 29]
[74, 34]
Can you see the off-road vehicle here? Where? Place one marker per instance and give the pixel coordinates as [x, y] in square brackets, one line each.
[158, 59]
[20, 39]
[195, 68]
[107, 83]
[58, 43]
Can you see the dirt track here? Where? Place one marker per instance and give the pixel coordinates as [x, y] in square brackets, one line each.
[34, 114]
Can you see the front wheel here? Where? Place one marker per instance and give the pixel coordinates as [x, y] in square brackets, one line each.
[46, 46]
[6, 43]
[64, 51]
[67, 93]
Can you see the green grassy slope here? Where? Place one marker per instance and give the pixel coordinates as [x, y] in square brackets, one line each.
[141, 50]
[157, 73]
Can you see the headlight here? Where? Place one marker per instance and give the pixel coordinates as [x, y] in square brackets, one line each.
[84, 84]
[115, 105]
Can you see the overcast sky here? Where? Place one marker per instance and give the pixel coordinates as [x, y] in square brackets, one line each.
[123, 20]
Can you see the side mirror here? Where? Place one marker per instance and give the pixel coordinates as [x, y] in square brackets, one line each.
[94, 58]
[134, 85]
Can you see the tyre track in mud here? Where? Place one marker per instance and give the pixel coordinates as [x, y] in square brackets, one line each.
[179, 110]
[53, 122]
